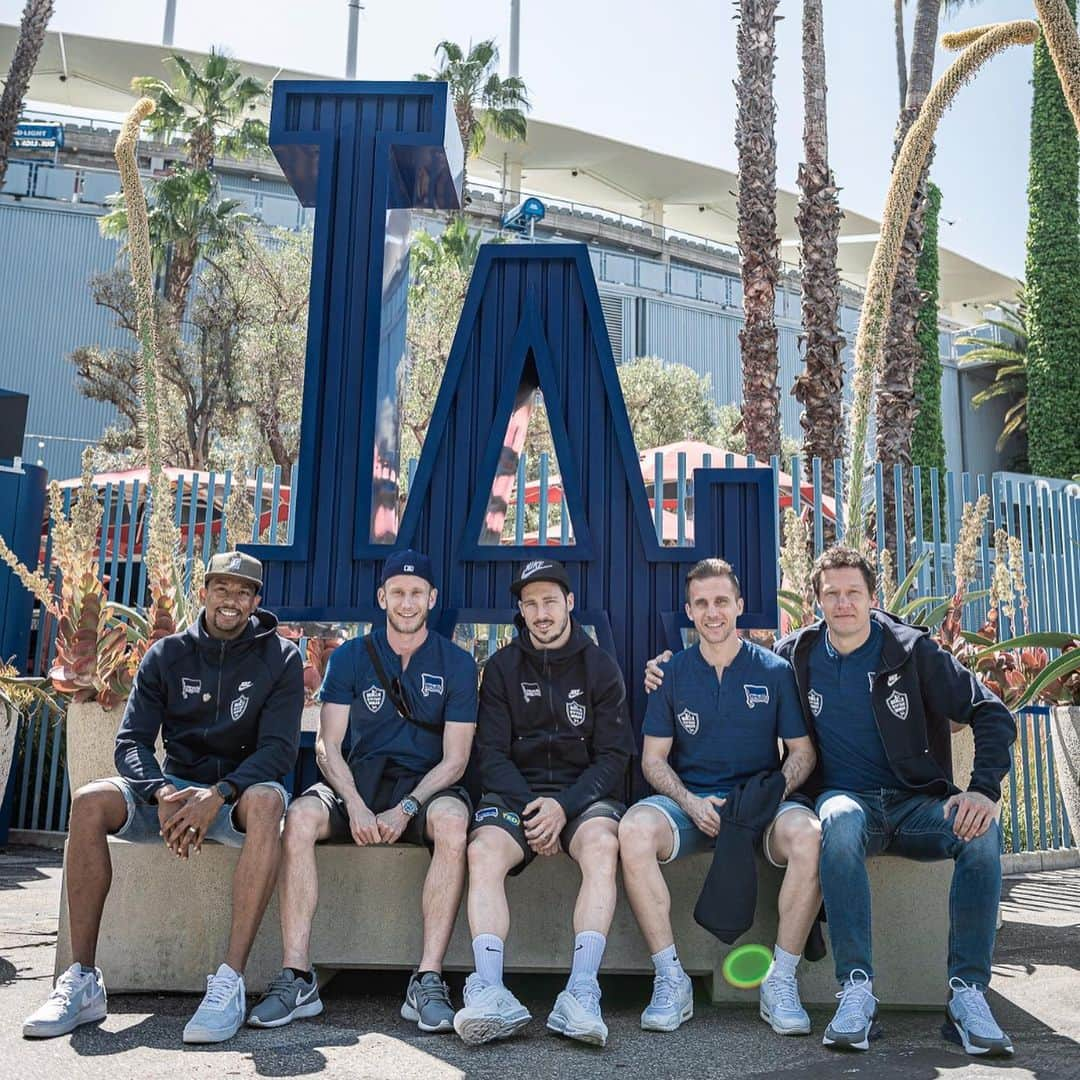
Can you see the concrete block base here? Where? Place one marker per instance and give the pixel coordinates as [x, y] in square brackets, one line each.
[166, 922]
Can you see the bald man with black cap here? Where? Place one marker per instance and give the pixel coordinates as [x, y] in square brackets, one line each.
[554, 739]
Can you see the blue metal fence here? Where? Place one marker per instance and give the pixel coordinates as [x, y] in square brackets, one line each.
[1045, 518]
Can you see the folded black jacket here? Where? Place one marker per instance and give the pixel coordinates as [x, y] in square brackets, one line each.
[729, 896]
[553, 722]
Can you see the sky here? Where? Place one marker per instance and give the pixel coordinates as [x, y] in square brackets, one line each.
[660, 75]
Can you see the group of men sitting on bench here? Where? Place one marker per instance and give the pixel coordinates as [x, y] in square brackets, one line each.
[861, 701]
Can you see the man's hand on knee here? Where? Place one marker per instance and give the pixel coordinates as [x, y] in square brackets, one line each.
[974, 813]
[392, 823]
[544, 819]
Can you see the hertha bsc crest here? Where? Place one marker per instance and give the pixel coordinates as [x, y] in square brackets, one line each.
[374, 696]
[238, 707]
[575, 713]
[814, 700]
[898, 704]
[689, 721]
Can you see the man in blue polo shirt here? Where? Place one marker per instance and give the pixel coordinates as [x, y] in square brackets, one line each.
[714, 723]
[406, 697]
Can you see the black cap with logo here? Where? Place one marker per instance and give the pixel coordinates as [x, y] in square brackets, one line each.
[541, 570]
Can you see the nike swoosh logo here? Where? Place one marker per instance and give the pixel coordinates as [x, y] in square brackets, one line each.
[534, 570]
[303, 999]
[491, 948]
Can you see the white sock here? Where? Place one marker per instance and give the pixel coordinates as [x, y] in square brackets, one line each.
[783, 964]
[666, 960]
[488, 957]
[588, 952]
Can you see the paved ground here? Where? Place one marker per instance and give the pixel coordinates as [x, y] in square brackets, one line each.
[1037, 999]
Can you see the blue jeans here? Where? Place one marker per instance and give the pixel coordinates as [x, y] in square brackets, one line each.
[906, 823]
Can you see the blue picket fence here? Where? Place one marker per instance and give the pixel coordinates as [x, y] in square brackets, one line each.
[1045, 519]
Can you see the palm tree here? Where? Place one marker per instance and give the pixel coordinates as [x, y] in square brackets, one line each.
[35, 21]
[187, 220]
[895, 404]
[208, 108]
[1008, 355]
[759, 245]
[820, 385]
[483, 101]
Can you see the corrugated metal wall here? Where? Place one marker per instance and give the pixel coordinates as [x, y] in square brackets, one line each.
[46, 258]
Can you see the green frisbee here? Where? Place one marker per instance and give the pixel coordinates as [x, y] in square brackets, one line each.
[746, 967]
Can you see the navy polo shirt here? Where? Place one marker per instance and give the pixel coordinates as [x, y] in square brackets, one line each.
[849, 744]
[724, 730]
[439, 685]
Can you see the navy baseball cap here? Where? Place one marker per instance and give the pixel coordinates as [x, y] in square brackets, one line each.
[541, 570]
[408, 562]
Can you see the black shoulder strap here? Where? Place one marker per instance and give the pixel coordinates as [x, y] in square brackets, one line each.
[394, 692]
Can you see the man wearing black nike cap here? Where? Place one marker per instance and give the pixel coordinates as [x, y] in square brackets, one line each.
[554, 739]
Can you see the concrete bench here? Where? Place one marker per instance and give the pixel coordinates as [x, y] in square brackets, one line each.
[166, 922]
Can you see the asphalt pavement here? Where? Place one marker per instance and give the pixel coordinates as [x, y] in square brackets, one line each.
[1035, 997]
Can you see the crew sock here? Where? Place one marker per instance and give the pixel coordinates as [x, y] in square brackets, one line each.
[588, 952]
[783, 964]
[488, 956]
[667, 960]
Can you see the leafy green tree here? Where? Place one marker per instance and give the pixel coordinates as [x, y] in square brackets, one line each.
[667, 403]
[1053, 276]
[483, 101]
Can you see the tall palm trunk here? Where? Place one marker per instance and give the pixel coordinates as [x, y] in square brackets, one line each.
[895, 406]
[901, 49]
[759, 245]
[35, 21]
[820, 386]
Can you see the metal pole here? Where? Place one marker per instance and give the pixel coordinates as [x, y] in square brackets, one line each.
[355, 7]
[170, 22]
[515, 36]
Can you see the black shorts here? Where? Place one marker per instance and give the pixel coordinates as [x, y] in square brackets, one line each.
[415, 832]
[493, 812]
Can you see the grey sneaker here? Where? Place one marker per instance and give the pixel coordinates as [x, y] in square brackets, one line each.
[780, 1007]
[970, 1022]
[491, 1012]
[77, 998]
[672, 1002]
[854, 1025]
[427, 1003]
[576, 1013]
[221, 1011]
[287, 998]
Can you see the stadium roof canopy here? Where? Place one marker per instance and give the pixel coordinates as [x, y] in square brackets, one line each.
[90, 73]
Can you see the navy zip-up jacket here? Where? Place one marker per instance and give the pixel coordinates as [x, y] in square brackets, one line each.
[553, 722]
[920, 688]
[226, 710]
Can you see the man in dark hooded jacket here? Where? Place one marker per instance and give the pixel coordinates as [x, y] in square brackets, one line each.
[225, 696]
[554, 738]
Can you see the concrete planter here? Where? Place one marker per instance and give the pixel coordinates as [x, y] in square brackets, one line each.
[1065, 736]
[9, 729]
[91, 740]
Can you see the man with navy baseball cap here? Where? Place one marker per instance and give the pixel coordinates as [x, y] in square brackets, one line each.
[406, 696]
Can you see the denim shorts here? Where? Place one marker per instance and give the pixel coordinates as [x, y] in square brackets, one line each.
[689, 839]
[143, 827]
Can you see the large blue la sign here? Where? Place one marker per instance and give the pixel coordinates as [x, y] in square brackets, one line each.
[363, 154]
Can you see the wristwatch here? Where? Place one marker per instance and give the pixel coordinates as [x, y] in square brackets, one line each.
[409, 806]
[226, 791]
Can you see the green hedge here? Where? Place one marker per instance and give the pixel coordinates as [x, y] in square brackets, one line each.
[1053, 276]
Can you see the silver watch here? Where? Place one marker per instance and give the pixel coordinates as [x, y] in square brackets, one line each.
[410, 806]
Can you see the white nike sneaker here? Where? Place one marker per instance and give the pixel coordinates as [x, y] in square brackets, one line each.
[77, 998]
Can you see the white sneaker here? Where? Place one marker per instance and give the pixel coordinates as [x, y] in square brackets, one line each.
[221, 1011]
[780, 1007]
[854, 1025]
[672, 1001]
[490, 1012]
[976, 1029]
[77, 998]
[576, 1013]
